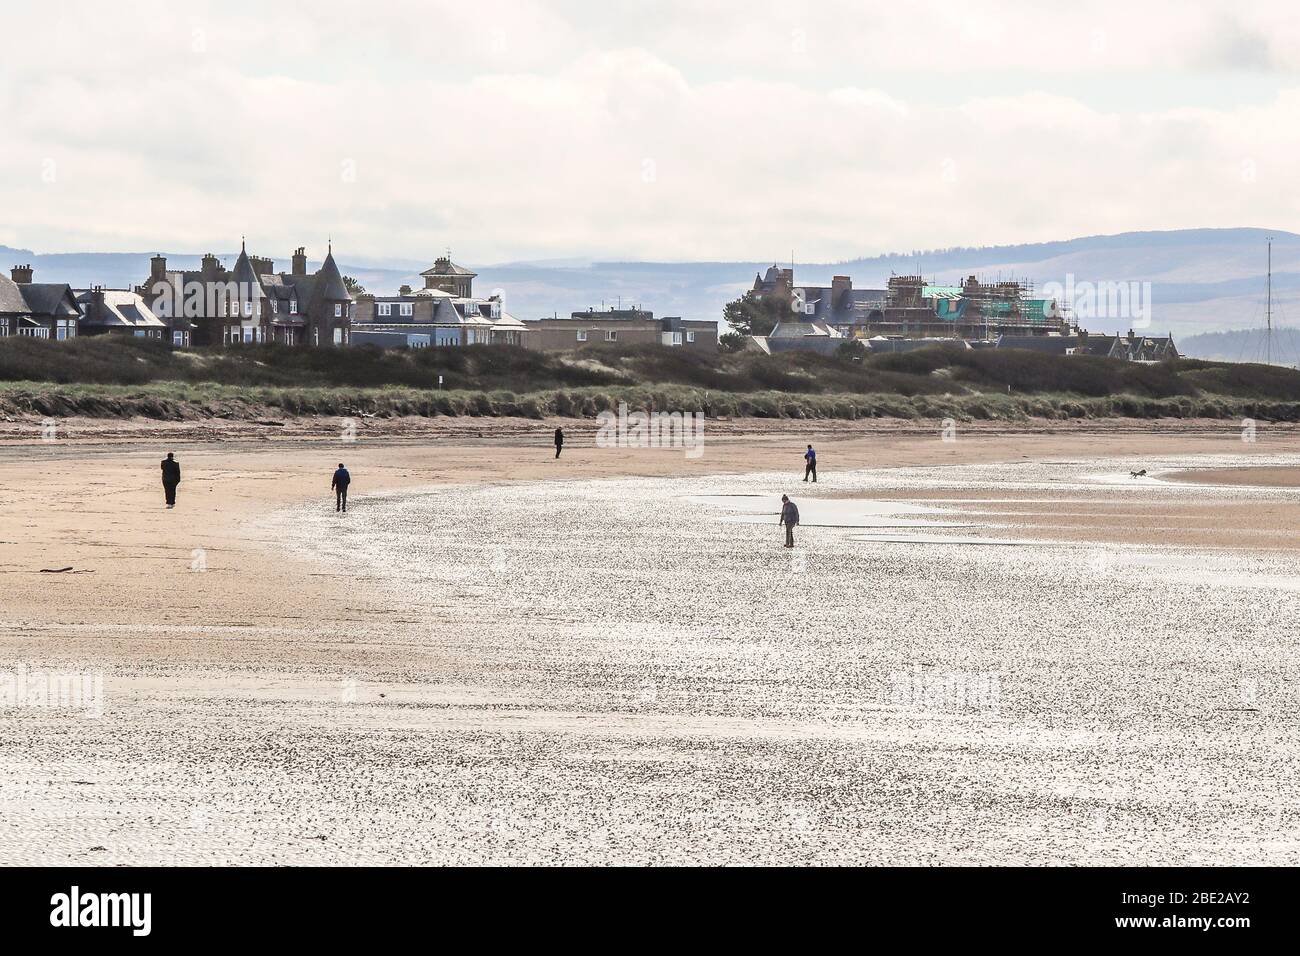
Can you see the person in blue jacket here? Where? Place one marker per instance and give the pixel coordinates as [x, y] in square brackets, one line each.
[810, 468]
[340, 485]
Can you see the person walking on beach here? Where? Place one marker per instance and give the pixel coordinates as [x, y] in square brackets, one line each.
[789, 518]
[340, 485]
[559, 441]
[810, 468]
[171, 477]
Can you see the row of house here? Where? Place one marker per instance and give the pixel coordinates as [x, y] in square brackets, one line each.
[52, 310]
[447, 313]
[208, 306]
[251, 302]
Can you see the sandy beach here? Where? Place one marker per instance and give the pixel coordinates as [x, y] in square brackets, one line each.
[996, 649]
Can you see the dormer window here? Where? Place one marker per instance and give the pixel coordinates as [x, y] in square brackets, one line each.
[386, 308]
[338, 310]
[407, 308]
[293, 306]
[248, 308]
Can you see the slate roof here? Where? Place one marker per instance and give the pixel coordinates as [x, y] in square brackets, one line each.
[1059, 344]
[50, 299]
[799, 330]
[881, 343]
[451, 270]
[329, 285]
[122, 308]
[245, 274]
[11, 297]
[854, 306]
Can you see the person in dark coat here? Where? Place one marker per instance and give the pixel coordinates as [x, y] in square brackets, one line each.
[810, 468]
[171, 477]
[789, 518]
[559, 441]
[340, 485]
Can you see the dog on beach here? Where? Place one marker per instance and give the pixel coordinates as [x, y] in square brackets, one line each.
[1138, 474]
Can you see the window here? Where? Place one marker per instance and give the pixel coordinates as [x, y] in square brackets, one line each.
[338, 336]
[293, 306]
[275, 306]
[248, 308]
[407, 308]
[611, 335]
[178, 338]
[315, 336]
[386, 308]
[582, 336]
[4, 327]
[66, 329]
[690, 337]
[338, 310]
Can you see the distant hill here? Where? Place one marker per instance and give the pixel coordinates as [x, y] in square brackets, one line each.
[1244, 345]
[1203, 280]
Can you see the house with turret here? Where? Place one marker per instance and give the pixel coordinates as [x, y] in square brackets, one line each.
[251, 302]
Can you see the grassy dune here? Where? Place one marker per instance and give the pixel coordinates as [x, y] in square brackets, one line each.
[104, 377]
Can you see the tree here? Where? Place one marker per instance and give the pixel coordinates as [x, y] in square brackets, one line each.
[853, 349]
[752, 315]
[732, 341]
[353, 286]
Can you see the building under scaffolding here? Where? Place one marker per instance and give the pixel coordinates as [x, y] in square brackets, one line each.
[910, 307]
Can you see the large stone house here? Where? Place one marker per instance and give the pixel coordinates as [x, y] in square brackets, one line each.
[445, 313]
[252, 302]
[42, 310]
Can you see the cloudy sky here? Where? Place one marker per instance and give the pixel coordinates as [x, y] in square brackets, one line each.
[540, 129]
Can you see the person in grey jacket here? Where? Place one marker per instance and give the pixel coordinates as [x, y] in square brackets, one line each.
[789, 518]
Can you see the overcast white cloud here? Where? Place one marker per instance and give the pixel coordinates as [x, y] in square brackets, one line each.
[511, 129]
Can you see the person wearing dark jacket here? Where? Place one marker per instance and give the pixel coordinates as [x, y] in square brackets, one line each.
[810, 468]
[340, 485]
[559, 441]
[789, 518]
[171, 477]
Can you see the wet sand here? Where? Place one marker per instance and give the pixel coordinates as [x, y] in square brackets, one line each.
[1261, 477]
[500, 658]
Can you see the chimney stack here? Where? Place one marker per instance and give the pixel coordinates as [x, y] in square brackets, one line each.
[158, 268]
[300, 261]
[21, 274]
[211, 267]
[841, 286]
